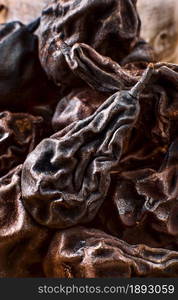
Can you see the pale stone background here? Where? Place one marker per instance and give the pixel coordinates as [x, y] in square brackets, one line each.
[23, 10]
[160, 27]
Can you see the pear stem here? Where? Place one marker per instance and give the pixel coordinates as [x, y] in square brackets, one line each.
[144, 80]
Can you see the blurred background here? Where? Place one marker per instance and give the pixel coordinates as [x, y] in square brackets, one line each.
[159, 22]
[23, 10]
[160, 27]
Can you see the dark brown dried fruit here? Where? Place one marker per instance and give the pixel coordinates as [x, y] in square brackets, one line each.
[112, 163]
[98, 71]
[22, 241]
[89, 253]
[23, 82]
[78, 105]
[160, 190]
[65, 179]
[19, 134]
[111, 27]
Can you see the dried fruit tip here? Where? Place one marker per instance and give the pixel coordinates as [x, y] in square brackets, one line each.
[144, 80]
[33, 26]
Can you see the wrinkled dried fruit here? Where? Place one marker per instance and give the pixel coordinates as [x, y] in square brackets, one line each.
[90, 253]
[22, 242]
[106, 156]
[19, 134]
[111, 27]
[65, 179]
[78, 105]
[23, 82]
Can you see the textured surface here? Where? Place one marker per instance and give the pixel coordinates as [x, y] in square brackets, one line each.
[90, 253]
[96, 146]
[20, 133]
[65, 179]
[22, 242]
[22, 79]
[101, 24]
